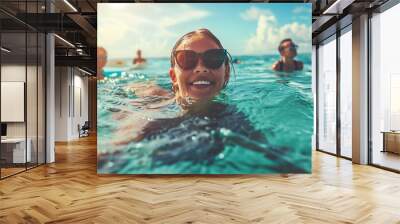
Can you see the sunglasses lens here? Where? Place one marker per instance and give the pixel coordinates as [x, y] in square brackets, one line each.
[291, 47]
[186, 59]
[214, 58]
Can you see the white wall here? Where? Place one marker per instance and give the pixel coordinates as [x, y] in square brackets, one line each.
[79, 104]
[61, 103]
[13, 73]
[13, 101]
[70, 84]
[82, 83]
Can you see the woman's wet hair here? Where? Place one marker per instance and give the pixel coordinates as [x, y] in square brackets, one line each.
[208, 34]
[280, 48]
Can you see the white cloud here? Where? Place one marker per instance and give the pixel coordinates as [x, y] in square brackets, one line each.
[254, 13]
[301, 9]
[186, 14]
[124, 28]
[268, 34]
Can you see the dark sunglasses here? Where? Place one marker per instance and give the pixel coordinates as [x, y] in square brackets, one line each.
[212, 59]
[291, 46]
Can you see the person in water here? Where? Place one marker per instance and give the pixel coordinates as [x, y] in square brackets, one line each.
[139, 59]
[236, 61]
[288, 51]
[101, 62]
[200, 70]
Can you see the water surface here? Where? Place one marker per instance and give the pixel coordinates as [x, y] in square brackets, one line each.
[261, 123]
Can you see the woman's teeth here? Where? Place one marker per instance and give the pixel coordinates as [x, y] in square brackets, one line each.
[202, 82]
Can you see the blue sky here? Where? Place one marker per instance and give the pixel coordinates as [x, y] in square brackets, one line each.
[243, 28]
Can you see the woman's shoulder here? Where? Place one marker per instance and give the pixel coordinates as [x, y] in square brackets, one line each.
[299, 64]
[277, 65]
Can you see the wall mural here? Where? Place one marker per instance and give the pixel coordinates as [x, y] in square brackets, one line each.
[204, 88]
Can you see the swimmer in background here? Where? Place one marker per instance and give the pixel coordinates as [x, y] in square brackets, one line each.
[101, 62]
[139, 59]
[236, 61]
[288, 51]
[116, 63]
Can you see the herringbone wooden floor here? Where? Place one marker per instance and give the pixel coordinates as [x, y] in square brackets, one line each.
[70, 191]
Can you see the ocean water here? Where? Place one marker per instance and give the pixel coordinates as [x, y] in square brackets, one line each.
[261, 123]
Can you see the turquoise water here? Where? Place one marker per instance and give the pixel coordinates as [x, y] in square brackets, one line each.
[261, 123]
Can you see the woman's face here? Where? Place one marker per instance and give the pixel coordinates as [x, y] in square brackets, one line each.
[288, 49]
[200, 83]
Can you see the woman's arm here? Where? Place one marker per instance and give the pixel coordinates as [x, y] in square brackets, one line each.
[148, 89]
[275, 66]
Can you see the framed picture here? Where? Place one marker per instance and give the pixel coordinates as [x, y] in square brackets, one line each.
[204, 88]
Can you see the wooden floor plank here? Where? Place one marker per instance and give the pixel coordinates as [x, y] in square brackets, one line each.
[70, 191]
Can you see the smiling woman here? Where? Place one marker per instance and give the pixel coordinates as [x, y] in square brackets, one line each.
[199, 67]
